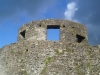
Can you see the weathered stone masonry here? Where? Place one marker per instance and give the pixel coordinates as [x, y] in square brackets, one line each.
[33, 54]
[69, 31]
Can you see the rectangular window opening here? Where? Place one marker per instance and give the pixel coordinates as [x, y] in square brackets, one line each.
[53, 32]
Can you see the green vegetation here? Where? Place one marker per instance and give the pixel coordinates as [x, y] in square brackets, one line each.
[72, 50]
[20, 53]
[43, 71]
[12, 52]
[61, 53]
[22, 60]
[75, 64]
[57, 52]
[88, 65]
[78, 69]
[47, 61]
[68, 50]
[6, 63]
[25, 72]
[88, 53]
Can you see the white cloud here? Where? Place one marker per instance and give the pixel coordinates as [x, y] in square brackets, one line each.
[70, 11]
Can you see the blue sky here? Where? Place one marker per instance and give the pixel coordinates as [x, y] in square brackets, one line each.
[15, 13]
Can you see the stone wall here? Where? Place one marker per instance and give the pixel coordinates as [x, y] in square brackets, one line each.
[69, 31]
[34, 55]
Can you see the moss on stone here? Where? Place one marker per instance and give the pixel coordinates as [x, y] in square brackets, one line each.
[68, 50]
[12, 52]
[43, 71]
[25, 72]
[78, 69]
[72, 51]
[47, 61]
[22, 60]
[75, 64]
[89, 65]
[57, 52]
[19, 53]
[6, 63]
[88, 53]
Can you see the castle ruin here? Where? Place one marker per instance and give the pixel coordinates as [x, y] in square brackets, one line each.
[34, 54]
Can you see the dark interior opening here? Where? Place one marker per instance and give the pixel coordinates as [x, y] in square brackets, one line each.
[79, 38]
[23, 33]
[26, 50]
[63, 25]
[40, 25]
[53, 27]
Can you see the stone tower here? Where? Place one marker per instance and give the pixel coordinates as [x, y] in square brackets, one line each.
[34, 54]
[69, 31]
